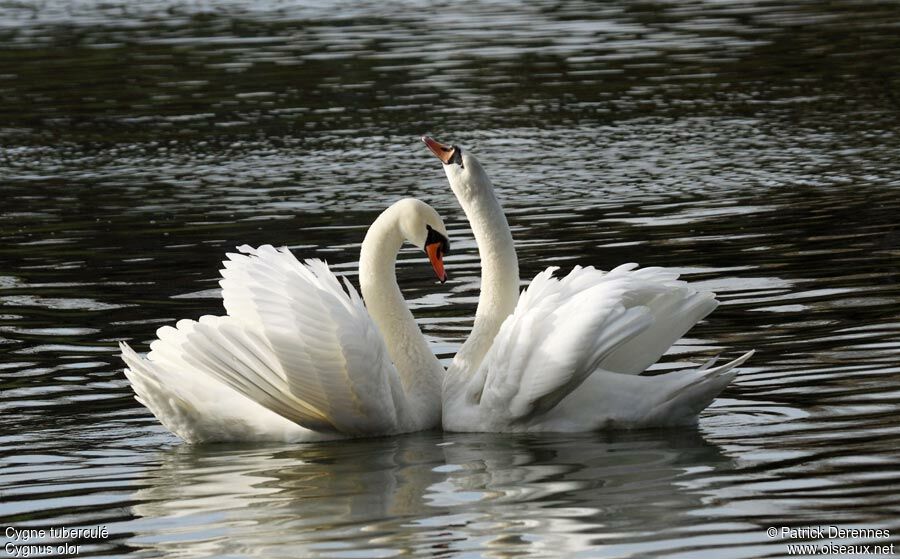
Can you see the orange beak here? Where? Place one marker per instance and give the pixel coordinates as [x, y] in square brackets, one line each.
[437, 260]
[444, 153]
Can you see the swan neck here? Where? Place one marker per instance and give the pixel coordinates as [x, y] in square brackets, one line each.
[420, 371]
[499, 268]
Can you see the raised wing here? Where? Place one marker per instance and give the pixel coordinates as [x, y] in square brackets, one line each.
[564, 329]
[295, 342]
[675, 306]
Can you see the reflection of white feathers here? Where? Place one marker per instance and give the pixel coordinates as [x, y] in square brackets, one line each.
[309, 501]
[298, 357]
[566, 354]
[420, 495]
[566, 495]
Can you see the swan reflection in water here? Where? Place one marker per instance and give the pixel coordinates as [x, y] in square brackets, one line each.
[424, 494]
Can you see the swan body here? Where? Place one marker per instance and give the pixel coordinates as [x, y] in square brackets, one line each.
[298, 358]
[566, 355]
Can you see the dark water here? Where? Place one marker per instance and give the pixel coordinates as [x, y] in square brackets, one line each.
[754, 147]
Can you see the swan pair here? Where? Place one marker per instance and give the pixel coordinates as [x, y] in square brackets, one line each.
[298, 358]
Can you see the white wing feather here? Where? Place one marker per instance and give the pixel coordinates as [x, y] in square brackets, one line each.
[228, 352]
[200, 409]
[676, 308]
[294, 343]
[550, 344]
[563, 330]
[327, 359]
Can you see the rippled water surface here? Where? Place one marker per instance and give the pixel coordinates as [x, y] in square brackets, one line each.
[752, 146]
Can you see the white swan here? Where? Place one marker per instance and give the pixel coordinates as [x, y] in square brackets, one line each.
[297, 358]
[566, 355]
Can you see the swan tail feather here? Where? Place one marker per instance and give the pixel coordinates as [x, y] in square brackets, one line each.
[167, 404]
[219, 348]
[199, 409]
[685, 394]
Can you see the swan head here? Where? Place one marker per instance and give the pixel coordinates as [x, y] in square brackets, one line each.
[465, 173]
[421, 225]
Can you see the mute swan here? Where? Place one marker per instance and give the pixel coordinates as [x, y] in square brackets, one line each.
[297, 358]
[566, 355]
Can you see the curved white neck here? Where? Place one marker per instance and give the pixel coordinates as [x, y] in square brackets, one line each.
[420, 371]
[499, 267]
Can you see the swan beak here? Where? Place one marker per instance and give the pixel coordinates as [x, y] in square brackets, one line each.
[443, 152]
[433, 251]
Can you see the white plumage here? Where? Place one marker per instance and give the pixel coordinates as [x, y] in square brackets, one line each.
[565, 356]
[298, 357]
[197, 407]
[330, 369]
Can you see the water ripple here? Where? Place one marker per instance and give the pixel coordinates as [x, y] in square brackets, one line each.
[750, 146]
